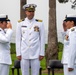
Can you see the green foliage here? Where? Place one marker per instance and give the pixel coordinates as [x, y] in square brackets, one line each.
[13, 48]
[60, 46]
[13, 56]
[46, 46]
[59, 55]
[43, 63]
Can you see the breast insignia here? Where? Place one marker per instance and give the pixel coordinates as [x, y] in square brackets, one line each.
[36, 28]
[20, 20]
[38, 20]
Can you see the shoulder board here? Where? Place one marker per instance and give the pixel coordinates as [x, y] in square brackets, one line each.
[38, 20]
[72, 29]
[21, 20]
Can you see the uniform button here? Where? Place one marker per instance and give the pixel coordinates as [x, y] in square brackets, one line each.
[30, 34]
[29, 46]
[29, 40]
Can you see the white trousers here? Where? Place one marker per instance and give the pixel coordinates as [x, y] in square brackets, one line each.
[35, 66]
[4, 69]
[66, 72]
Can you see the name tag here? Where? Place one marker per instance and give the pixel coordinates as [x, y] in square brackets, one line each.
[23, 26]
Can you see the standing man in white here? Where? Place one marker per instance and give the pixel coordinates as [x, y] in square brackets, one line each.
[30, 43]
[5, 37]
[69, 50]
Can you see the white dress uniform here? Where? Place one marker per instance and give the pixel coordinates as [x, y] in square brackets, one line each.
[30, 43]
[5, 58]
[69, 52]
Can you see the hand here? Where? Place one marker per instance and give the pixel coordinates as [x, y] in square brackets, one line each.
[9, 26]
[64, 26]
[19, 57]
[41, 57]
[66, 37]
[70, 69]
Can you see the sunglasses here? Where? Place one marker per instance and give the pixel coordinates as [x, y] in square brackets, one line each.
[30, 11]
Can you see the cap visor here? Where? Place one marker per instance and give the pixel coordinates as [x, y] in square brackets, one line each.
[7, 20]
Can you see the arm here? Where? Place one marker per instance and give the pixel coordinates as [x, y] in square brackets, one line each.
[18, 41]
[72, 50]
[64, 26]
[42, 42]
[7, 36]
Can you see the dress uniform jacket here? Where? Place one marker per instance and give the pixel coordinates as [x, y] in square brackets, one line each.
[30, 41]
[5, 37]
[69, 51]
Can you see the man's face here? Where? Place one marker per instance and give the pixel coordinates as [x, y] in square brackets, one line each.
[29, 14]
[69, 24]
[3, 25]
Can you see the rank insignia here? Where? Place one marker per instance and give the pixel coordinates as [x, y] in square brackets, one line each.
[72, 29]
[20, 20]
[36, 28]
[23, 32]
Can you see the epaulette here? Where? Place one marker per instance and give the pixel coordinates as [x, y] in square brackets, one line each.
[21, 20]
[38, 20]
[72, 29]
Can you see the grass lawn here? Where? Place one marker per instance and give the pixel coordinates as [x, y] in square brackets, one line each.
[43, 62]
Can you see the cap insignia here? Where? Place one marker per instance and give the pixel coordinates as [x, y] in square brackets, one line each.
[31, 6]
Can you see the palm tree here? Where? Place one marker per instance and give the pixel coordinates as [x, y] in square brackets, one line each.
[22, 15]
[52, 50]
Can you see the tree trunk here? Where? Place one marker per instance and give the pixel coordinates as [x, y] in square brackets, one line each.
[52, 50]
[22, 13]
